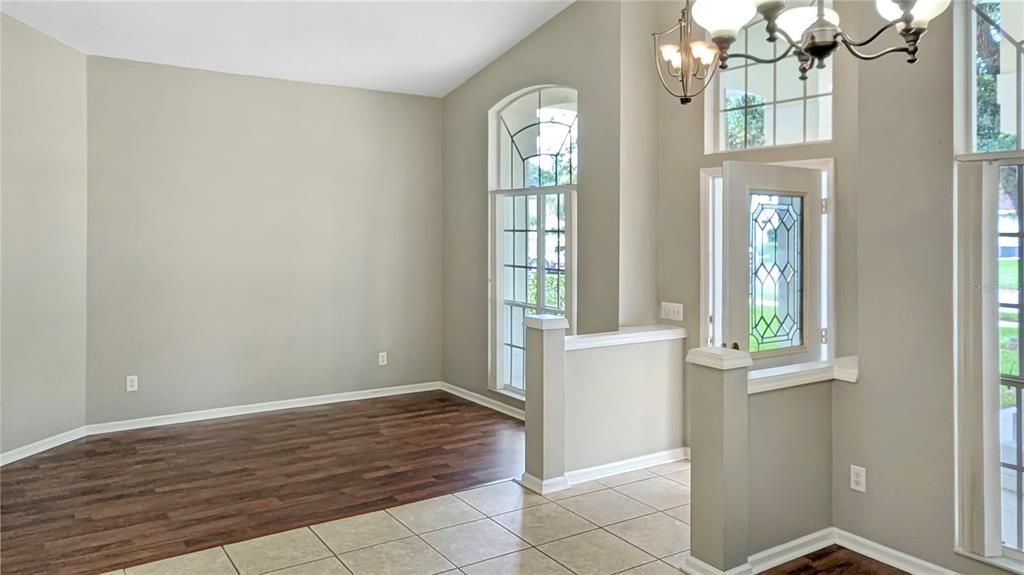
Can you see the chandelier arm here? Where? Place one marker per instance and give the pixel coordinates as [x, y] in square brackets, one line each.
[793, 45]
[851, 42]
[876, 55]
[760, 60]
[661, 75]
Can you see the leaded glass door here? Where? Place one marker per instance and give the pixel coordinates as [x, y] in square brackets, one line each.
[771, 218]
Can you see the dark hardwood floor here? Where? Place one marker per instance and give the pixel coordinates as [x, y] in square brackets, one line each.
[117, 500]
[834, 560]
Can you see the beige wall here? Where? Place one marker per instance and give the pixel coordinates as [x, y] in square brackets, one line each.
[623, 401]
[254, 240]
[578, 48]
[43, 236]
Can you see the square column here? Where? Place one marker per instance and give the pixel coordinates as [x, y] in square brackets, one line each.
[545, 403]
[719, 542]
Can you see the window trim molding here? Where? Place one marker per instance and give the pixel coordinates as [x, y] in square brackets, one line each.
[494, 193]
[826, 252]
[495, 301]
[976, 387]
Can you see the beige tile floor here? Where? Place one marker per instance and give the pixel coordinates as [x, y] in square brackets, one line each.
[636, 523]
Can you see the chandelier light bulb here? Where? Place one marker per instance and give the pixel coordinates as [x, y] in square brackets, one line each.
[723, 18]
[795, 21]
[923, 12]
[703, 52]
[669, 51]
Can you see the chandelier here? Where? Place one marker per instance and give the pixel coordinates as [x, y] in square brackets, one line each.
[809, 31]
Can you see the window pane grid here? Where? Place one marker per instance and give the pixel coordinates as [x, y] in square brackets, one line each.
[761, 105]
[533, 237]
[1010, 276]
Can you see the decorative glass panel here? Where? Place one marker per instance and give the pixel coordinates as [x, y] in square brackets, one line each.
[538, 140]
[776, 271]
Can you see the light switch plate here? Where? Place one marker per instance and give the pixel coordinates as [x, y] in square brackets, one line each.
[672, 311]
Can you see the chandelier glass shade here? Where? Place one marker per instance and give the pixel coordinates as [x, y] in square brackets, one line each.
[807, 29]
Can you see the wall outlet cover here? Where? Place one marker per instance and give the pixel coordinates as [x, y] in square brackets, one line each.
[382, 358]
[131, 383]
[858, 478]
[672, 311]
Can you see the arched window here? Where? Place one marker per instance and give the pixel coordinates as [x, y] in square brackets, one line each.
[534, 164]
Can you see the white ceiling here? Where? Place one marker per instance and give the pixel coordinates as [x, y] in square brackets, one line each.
[425, 48]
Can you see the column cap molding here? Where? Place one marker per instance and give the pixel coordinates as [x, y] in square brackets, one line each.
[720, 358]
[546, 321]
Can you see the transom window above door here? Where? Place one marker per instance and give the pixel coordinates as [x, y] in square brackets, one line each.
[535, 161]
[761, 105]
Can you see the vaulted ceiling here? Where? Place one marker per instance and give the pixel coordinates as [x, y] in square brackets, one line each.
[425, 48]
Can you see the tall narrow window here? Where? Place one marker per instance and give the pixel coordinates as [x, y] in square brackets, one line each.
[1011, 240]
[536, 161]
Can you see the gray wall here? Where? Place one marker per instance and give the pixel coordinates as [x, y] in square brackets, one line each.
[898, 420]
[638, 167]
[623, 401]
[254, 240]
[578, 48]
[42, 293]
[790, 464]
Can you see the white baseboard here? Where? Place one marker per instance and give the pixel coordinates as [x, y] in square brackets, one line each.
[483, 400]
[625, 465]
[888, 555]
[695, 566]
[543, 487]
[790, 550]
[42, 445]
[216, 413]
[769, 558]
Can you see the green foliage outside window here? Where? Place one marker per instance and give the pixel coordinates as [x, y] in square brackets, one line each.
[744, 123]
[989, 134]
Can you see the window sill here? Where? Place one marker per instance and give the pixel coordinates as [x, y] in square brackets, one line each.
[775, 378]
[516, 395]
[1004, 563]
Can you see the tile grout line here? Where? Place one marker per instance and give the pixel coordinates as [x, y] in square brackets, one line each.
[224, 549]
[491, 518]
[329, 548]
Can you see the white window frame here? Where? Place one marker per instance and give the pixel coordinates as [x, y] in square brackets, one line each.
[711, 264]
[977, 379]
[495, 240]
[496, 288]
[713, 111]
[965, 76]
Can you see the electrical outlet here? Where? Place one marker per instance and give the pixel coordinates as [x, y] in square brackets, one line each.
[382, 358]
[672, 311]
[131, 383]
[858, 478]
